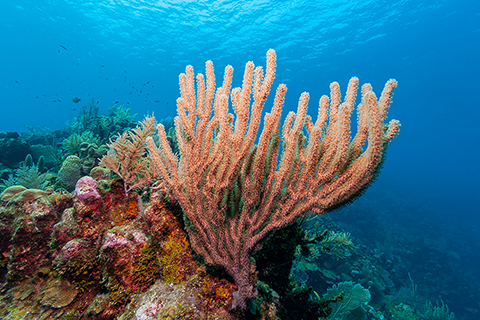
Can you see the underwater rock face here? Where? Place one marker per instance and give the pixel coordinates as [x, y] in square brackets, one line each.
[110, 258]
[126, 249]
[27, 221]
[71, 250]
[60, 294]
[162, 301]
[64, 231]
[32, 217]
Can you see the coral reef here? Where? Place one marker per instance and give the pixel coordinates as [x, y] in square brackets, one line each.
[105, 256]
[100, 127]
[79, 241]
[27, 221]
[102, 254]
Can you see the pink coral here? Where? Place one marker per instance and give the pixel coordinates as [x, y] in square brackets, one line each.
[86, 188]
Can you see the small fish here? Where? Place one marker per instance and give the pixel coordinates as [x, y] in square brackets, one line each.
[16, 81]
[102, 66]
[63, 47]
[157, 101]
[54, 100]
[116, 102]
[76, 100]
[146, 83]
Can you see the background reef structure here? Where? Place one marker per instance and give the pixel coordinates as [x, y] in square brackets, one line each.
[234, 191]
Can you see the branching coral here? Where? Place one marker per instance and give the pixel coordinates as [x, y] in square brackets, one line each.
[127, 156]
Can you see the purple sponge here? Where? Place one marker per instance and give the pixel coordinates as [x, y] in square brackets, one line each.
[86, 188]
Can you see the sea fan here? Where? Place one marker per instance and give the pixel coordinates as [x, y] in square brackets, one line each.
[347, 296]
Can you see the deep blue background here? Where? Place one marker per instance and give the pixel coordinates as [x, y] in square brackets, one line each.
[113, 48]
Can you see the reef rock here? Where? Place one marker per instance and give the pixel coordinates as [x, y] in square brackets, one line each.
[60, 294]
[30, 217]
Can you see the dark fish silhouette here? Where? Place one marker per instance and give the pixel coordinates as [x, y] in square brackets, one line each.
[63, 47]
[76, 100]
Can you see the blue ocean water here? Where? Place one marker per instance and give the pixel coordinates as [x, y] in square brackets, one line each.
[133, 51]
